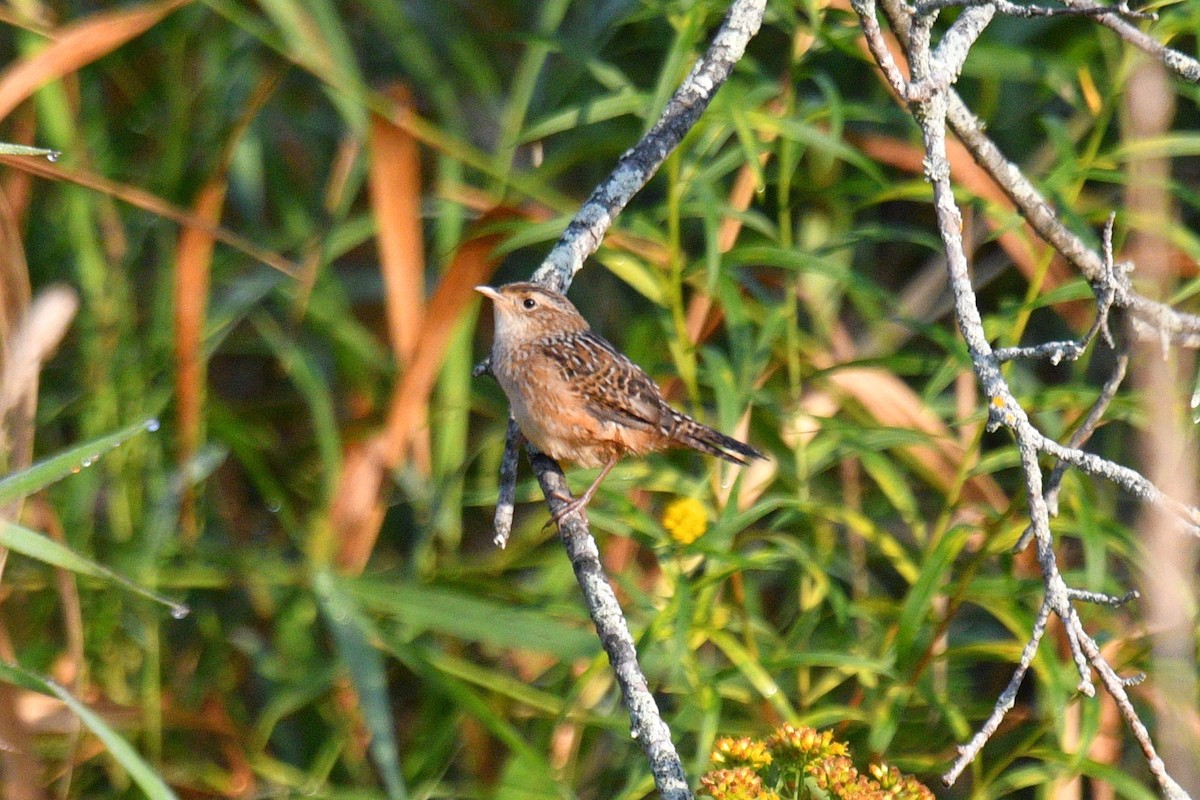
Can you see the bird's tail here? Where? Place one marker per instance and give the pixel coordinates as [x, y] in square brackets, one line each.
[689, 433]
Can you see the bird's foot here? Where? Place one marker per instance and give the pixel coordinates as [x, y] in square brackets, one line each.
[570, 506]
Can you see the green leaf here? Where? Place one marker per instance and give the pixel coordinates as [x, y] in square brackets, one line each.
[140, 771]
[42, 548]
[920, 599]
[754, 672]
[458, 614]
[68, 462]
[367, 672]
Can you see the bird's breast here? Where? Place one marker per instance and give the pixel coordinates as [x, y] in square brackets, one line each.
[549, 409]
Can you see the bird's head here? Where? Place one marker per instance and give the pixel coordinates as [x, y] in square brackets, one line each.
[527, 312]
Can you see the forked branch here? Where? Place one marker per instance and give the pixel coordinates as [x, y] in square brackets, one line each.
[936, 108]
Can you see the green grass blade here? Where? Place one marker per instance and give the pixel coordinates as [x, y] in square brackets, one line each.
[42, 548]
[68, 462]
[458, 614]
[313, 388]
[7, 149]
[137, 767]
[365, 663]
[920, 599]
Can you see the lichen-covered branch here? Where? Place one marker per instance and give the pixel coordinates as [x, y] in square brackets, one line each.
[1149, 319]
[1113, 18]
[1028, 11]
[583, 235]
[935, 107]
[581, 239]
[645, 721]
[634, 170]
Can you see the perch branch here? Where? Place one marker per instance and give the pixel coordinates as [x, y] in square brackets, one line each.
[581, 239]
[645, 722]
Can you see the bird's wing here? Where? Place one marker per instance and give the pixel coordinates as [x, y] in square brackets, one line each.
[611, 386]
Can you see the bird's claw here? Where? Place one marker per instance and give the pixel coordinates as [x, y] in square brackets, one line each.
[570, 506]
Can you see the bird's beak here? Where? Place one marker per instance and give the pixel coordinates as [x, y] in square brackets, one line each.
[489, 293]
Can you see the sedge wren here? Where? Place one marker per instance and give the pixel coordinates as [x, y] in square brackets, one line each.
[576, 398]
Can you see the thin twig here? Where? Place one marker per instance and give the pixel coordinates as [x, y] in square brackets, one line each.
[1008, 698]
[1078, 439]
[507, 497]
[1055, 352]
[1103, 599]
[1112, 279]
[1011, 9]
[1184, 66]
[1128, 479]
[1115, 685]
[1084, 432]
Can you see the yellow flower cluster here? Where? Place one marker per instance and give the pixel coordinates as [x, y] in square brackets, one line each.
[899, 785]
[838, 777]
[792, 761]
[740, 783]
[805, 744]
[741, 752]
[685, 519]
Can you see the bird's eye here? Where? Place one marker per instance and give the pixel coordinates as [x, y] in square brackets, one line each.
[529, 303]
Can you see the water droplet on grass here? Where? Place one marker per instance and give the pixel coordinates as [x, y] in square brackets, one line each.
[179, 610]
[53, 155]
[152, 425]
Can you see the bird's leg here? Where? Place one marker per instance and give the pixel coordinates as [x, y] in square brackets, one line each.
[580, 502]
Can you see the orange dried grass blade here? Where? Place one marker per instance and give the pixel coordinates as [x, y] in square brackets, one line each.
[336, 186]
[14, 272]
[395, 184]
[146, 201]
[358, 506]
[193, 267]
[18, 186]
[76, 46]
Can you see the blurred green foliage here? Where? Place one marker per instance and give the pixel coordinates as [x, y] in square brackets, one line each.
[857, 588]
